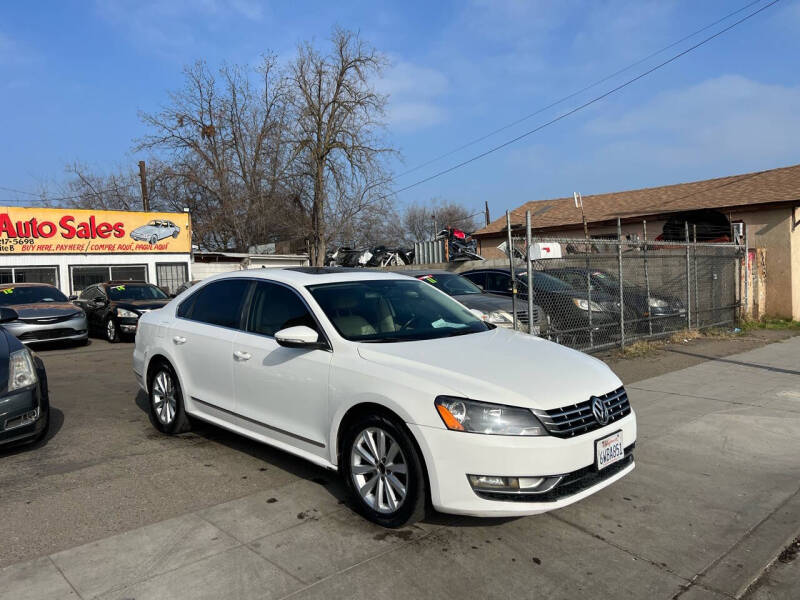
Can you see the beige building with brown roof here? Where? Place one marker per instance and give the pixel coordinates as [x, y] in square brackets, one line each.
[766, 202]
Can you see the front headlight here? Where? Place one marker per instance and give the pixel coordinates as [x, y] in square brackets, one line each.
[460, 414]
[121, 312]
[77, 314]
[585, 304]
[499, 317]
[657, 303]
[21, 372]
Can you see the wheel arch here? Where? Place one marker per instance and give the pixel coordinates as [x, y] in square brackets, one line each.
[371, 407]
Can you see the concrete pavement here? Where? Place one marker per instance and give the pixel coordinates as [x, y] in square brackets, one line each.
[715, 497]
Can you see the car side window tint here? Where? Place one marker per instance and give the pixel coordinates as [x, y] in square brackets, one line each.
[477, 278]
[219, 303]
[89, 293]
[499, 282]
[275, 307]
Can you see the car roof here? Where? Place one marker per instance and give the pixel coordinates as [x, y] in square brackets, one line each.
[133, 282]
[4, 286]
[303, 276]
[418, 272]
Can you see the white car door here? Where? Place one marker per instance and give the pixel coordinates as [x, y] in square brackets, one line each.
[202, 337]
[285, 390]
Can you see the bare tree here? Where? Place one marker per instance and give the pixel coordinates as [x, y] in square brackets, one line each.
[338, 118]
[422, 221]
[224, 142]
[85, 188]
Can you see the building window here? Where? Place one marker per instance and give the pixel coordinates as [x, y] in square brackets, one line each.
[30, 275]
[129, 273]
[83, 277]
[170, 276]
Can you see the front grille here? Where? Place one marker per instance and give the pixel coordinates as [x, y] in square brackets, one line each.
[48, 320]
[522, 315]
[49, 334]
[571, 484]
[575, 419]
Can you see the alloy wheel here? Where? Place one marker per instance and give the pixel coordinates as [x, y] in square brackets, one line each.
[111, 330]
[164, 402]
[379, 470]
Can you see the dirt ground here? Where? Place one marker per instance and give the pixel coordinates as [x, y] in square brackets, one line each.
[672, 357]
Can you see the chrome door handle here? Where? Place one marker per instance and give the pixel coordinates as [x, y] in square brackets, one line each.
[179, 340]
[239, 355]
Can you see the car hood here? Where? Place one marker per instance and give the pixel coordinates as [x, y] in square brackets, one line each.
[500, 366]
[485, 302]
[43, 310]
[141, 304]
[143, 228]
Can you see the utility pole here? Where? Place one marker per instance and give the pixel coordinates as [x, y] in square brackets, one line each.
[143, 181]
[486, 211]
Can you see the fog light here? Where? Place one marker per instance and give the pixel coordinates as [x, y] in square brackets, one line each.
[493, 483]
[513, 485]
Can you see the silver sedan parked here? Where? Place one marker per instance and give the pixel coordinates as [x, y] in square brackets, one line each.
[44, 314]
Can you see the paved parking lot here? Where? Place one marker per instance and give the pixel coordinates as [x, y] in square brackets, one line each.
[108, 508]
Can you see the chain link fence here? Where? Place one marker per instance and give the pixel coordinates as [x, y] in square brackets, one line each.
[609, 292]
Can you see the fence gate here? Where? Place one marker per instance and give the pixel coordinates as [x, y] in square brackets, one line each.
[605, 292]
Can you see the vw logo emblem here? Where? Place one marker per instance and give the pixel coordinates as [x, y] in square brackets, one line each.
[600, 410]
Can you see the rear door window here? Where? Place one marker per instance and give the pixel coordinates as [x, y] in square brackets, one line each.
[218, 303]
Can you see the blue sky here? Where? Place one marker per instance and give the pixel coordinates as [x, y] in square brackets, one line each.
[73, 75]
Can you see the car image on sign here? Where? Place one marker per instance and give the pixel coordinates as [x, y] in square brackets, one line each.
[155, 231]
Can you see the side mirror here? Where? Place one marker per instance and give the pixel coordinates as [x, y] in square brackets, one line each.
[299, 336]
[7, 315]
[72, 297]
[99, 300]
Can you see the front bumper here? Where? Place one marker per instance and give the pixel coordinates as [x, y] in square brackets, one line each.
[450, 456]
[128, 325]
[17, 422]
[74, 329]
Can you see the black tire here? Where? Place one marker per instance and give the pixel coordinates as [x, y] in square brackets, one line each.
[179, 422]
[43, 433]
[111, 330]
[175, 235]
[153, 240]
[413, 505]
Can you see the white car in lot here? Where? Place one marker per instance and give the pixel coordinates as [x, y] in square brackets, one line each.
[411, 397]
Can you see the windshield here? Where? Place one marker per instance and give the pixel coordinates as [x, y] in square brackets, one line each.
[393, 310]
[30, 295]
[449, 283]
[135, 292]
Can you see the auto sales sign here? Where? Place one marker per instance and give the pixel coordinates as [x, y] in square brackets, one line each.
[68, 231]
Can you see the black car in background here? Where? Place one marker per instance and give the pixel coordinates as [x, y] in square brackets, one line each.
[566, 307]
[663, 311]
[113, 308]
[494, 308]
[24, 402]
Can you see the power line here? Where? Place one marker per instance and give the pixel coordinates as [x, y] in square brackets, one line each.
[582, 106]
[46, 199]
[576, 93]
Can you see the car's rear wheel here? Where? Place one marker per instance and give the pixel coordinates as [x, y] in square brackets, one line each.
[166, 401]
[175, 234]
[383, 471]
[111, 330]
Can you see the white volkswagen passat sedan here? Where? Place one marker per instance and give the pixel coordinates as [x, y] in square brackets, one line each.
[408, 394]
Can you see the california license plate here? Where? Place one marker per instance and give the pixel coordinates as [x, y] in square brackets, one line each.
[609, 450]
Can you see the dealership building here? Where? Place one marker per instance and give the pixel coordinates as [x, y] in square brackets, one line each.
[73, 249]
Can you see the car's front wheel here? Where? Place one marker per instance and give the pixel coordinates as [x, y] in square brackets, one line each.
[166, 401]
[153, 240]
[111, 330]
[383, 471]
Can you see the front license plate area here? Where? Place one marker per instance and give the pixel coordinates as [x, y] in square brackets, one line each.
[609, 450]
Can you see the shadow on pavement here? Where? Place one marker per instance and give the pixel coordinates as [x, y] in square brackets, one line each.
[273, 456]
[735, 362]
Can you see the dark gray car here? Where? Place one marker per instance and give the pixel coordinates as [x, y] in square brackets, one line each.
[44, 314]
[495, 309]
[24, 403]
